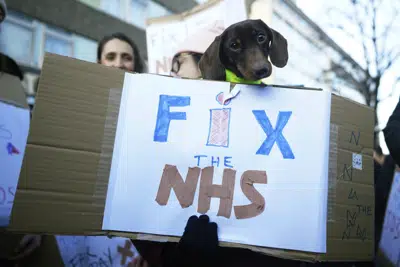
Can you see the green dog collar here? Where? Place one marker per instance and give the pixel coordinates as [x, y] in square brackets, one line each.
[231, 77]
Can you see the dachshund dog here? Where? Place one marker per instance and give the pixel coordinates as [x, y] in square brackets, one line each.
[243, 49]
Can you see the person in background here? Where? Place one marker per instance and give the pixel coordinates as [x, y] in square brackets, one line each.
[118, 50]
[392, 134]
[22, 246]
[186, 59]
[3, 10]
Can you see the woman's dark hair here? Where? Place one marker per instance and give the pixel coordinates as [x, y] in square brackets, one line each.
[138, 64]
[9, 66]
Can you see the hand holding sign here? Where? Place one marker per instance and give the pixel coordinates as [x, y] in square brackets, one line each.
[198, 245]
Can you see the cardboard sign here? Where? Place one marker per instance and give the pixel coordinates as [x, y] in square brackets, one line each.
[75, 133]
[251, 154]
[390, 238]
[14, 127]
[82, 251]
[164, 36]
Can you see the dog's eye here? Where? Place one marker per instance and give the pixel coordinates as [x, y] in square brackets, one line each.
[234, 46]
[261, 38]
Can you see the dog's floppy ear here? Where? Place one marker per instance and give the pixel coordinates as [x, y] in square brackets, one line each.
[278, 50]
[210, 63]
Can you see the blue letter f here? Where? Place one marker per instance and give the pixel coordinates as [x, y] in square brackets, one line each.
[274, 135]
[164, 116]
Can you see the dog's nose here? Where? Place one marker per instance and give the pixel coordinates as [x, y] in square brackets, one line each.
[261, 73]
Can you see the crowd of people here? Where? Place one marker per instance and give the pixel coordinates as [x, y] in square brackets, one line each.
[199, 243]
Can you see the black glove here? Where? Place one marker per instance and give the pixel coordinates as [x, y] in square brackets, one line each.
[198, 245]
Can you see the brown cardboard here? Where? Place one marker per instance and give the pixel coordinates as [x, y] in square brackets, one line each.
[62, 191]
[12, 91]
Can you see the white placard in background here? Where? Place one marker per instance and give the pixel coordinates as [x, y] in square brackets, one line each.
[390, 238]
[83, 251]
[297, 171]
[14, 128]
[164, 37]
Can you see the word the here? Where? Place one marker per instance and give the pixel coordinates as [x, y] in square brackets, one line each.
[214, 160]
[7, 195]
[185, 190]
[218, 134]
[366, 210]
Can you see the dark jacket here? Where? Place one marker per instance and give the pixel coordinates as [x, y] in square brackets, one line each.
[392, 134]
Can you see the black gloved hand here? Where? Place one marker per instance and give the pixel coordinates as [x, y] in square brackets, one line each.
[200, 235]
[198, 245]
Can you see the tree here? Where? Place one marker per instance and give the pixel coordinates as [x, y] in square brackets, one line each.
[371, 24]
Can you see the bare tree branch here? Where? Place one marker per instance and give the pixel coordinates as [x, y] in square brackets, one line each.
[343, 30]
[390, 62]
[370, 31]
[374, 40]
[393, 91]
[388, 28]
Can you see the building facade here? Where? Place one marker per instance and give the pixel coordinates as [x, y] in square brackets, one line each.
[73, 28]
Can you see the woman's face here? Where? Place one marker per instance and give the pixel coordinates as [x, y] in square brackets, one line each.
[119, 54]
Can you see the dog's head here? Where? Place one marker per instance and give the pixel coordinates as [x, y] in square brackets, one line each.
[243, 48]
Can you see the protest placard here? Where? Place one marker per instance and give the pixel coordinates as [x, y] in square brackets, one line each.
[74, 129]
[14, 128]
[390, 241]
[102, 251]
[165, 35]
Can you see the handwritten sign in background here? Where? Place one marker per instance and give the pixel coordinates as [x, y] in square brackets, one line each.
[164, 38]
[296, 190]
[14, 127]
[390, 238]
[96, 251]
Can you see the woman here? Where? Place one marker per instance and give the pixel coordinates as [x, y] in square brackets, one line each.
[118, 50]
[392, 134]
[186, 60]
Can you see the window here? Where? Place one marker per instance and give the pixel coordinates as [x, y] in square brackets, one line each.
[112, 7]
[156, 10]
[17, 39]
[57, 45]
[138, 13]
[58, 42]
[141, 10]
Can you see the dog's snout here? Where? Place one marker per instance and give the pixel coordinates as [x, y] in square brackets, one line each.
[261, 72]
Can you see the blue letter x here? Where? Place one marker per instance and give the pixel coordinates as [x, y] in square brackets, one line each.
[274, 135]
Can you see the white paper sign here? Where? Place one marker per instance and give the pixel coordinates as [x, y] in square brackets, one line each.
[390, 238]
[164, 38]
[182, 123]
[14, 128]
[96, 251]
[357, 161]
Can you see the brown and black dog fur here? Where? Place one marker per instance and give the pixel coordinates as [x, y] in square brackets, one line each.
[243, 48]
